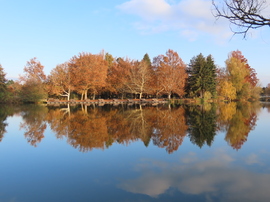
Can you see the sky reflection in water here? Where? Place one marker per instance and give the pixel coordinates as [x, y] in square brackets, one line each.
[210, 153]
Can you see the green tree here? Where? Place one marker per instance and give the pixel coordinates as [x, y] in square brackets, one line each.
[3, 85]
[147, 59]
[202, 75]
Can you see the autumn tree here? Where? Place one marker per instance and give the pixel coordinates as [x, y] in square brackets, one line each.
[119, 74]
[33, 87]
[241, 75]
[202, 76]
[227, 90]
[139, 78]
[170, 73]
[245, 14]
[59, 81]
[88, 72]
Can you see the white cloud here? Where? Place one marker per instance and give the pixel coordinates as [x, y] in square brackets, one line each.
[147, 9]
[191, 18]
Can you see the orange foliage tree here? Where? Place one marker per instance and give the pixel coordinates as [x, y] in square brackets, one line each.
[118, 75]
[59, 81]
[33, 88]
[88, 72]
[170, 73]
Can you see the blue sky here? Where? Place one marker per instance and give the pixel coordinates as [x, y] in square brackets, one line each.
[55, 30]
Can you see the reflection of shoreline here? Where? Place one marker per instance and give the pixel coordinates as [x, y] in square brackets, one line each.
[213, 179]
[92, 127]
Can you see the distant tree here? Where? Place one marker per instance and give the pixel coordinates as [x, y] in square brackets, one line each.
[245, 14]
[33, 82]
[170, 73]
[267, 90]
[202, 76]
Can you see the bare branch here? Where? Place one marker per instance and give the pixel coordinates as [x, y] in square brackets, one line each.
[245, 14]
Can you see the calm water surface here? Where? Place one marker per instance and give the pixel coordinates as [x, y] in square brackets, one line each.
[135, 153]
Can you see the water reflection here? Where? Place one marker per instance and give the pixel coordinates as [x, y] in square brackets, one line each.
[237, 119]
[211, 179]
[202, 124]
[34, 123]
[5, 111]
[90, 127]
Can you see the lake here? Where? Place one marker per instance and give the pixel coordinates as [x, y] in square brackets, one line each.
[135, 153]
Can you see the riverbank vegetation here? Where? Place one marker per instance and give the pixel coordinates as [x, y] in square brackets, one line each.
[91, 76]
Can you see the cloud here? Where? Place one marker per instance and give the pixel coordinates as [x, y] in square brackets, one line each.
[191, 18]
[149, 10]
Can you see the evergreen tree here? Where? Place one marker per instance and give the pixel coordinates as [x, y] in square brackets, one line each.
[202, 75]
[146, 58]
[211, 75]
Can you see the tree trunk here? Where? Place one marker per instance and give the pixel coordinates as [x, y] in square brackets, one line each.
[86, 95]
[68, 95]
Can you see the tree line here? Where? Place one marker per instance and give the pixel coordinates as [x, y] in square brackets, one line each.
[92, 76]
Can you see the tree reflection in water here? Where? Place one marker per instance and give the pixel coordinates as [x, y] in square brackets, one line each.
[34, 123]
[92, 127]
[202, 124]
[5, 111]
[238, 119]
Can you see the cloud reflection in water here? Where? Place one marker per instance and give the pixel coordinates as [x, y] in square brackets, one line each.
[214, 178]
